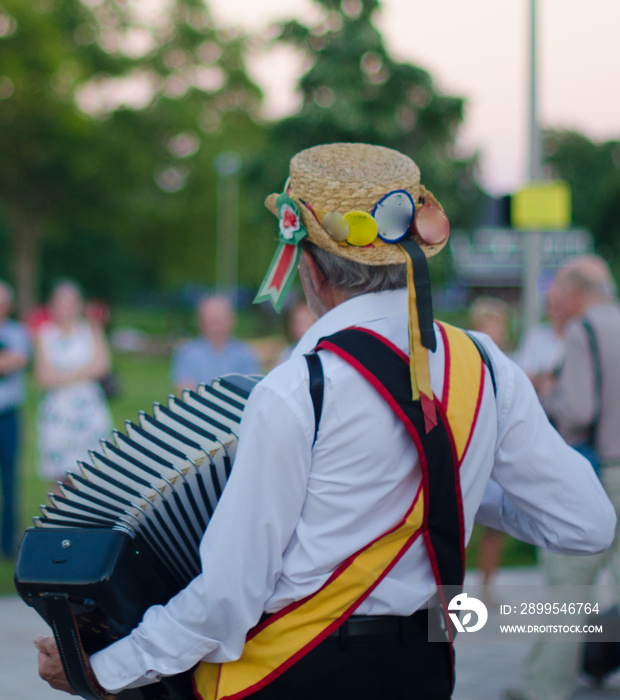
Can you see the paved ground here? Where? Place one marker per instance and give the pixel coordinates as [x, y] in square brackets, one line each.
[483, 670]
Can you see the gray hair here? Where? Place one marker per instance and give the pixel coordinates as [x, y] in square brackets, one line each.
[592, 276]
[352, 278]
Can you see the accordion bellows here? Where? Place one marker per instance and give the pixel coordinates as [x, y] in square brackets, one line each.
[163, 478]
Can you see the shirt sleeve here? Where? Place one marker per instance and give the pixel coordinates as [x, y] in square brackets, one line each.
[541, 490]
[241, 552]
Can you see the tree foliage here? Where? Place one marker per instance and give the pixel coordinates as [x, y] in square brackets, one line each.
[109, 124]
[355, 91]
[593, 173]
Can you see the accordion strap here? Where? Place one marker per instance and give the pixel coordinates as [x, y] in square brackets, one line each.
[315, 371]
[58, 610]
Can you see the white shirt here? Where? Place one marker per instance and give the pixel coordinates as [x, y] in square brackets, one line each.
[291, 514]
[541, 350]
[67, 350]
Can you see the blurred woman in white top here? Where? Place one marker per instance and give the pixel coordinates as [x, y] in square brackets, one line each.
[71, 357]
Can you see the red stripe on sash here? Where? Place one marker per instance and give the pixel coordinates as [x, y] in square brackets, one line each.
[478, 406]
[446, 370]
[384, 340]
[457, 478]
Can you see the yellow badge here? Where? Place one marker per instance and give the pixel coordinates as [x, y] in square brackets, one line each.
[363, 228]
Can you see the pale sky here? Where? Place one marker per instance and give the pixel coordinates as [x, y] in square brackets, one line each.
[478, 49]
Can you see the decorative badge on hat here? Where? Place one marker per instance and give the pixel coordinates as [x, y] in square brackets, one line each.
[281, 273]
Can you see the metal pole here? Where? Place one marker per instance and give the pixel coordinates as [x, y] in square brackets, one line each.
[535, 161]
[532, 247]
[227, 166]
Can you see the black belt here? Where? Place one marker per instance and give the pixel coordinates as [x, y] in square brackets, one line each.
[384, 625]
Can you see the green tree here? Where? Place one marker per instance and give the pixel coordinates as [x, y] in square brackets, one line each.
[593, 172]
[355, 91]
[43, 137]
[109, 122]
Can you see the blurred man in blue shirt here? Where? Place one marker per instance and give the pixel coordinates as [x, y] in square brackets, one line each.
[216, 352]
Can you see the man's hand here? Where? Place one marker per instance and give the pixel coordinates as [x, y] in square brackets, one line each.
[50, 665]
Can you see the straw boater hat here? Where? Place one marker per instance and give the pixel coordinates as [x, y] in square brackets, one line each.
[341, 178]
[364, 203]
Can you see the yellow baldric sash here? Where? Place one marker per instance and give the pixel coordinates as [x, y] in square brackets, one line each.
[436, 513]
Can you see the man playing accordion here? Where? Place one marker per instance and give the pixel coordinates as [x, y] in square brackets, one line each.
[363, 462]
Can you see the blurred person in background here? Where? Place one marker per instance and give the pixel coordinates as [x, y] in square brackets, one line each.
[71, 358]
[300, 318]
[541, 349]
[216, 352]
[583, 402]
[14, 355]
[491, 316]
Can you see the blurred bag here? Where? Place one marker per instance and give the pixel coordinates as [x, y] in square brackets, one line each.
[601, 652]
[587, 447]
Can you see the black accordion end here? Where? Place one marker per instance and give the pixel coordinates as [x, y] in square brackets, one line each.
[124, 533]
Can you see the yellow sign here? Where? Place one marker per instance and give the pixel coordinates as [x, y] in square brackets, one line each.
[541, 206]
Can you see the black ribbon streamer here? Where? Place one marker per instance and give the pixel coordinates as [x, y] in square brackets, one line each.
[424, 301]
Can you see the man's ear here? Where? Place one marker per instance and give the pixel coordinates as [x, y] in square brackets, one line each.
[317, 277]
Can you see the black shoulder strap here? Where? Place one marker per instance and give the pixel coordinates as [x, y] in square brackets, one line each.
[315, 370]
[485, 358]
[598, 379]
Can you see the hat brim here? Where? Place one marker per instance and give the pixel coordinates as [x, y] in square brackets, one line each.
[375, 254]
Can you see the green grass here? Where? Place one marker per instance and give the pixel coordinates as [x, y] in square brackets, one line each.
[144, 380]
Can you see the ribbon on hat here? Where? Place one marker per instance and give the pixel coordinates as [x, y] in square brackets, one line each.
[421, 330]
[281, 273]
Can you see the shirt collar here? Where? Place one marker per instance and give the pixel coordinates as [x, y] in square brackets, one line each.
[358, 310]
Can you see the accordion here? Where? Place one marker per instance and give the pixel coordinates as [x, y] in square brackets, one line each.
[124, 531]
